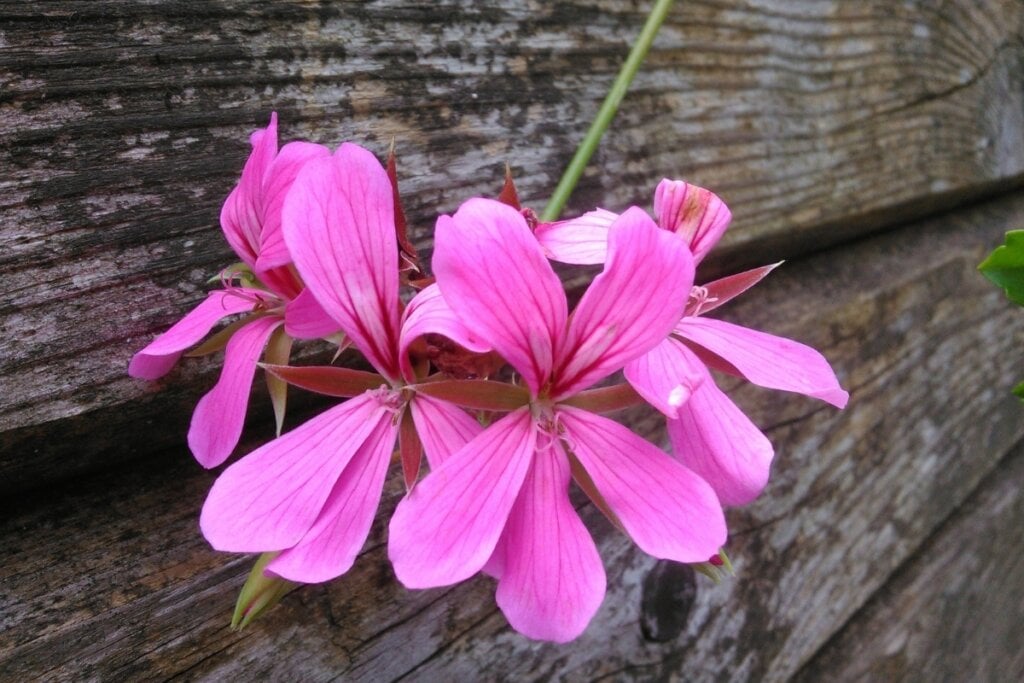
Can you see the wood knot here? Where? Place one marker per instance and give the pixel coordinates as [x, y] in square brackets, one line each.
[669, 591]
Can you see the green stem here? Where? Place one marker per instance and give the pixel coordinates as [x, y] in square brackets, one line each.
[607, 112]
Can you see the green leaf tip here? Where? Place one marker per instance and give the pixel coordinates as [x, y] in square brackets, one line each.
[1005, 266]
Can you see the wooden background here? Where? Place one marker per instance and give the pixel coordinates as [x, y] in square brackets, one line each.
[876, 145]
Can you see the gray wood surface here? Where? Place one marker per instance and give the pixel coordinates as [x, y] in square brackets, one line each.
[885, 546]
[953, 613]
[125, 124]
[112, 580]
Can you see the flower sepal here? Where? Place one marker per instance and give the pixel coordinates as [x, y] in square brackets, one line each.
[717, 567]
[327, 379]
[476, 394]
[220, 339]
[236, 271]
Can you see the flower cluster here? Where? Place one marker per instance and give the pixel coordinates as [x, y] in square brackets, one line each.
[486, 373]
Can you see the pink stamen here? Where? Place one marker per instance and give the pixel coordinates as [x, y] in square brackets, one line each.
[260, 302]
[699, 297]
[549, 423]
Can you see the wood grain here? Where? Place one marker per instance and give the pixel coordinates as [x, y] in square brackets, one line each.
[125, 124]
[954, 612]
[111, 579]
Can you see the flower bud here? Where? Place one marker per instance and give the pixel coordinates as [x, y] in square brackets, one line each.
[260, 592]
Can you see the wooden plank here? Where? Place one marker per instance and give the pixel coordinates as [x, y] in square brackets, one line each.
[954, 612]
[125, 124]
[112, 580]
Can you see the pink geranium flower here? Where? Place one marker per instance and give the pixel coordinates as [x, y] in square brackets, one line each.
[312, 493]
[709, 433]
[251, 221]
[502, 500]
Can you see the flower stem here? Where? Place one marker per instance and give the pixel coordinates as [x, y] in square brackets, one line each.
[607, 112]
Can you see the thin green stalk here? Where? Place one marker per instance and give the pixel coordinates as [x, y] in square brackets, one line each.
[607, 112]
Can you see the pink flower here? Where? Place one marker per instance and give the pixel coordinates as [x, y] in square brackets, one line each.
[251, 221]
[709, 433]
[502, 500]
[313, 492]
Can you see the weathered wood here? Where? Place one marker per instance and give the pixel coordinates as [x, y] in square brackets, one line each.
[125, 125]
[955, 612]
[114, 581]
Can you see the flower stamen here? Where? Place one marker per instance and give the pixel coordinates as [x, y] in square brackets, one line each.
[699, 297]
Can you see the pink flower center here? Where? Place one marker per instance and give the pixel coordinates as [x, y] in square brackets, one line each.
[390, 399]
[549, 425]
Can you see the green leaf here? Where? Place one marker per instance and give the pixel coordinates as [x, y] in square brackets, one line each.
[1018, 391]
[1005, 266]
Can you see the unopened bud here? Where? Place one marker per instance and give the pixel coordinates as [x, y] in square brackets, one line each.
[716, 567]
[260, 592]
[697, 215]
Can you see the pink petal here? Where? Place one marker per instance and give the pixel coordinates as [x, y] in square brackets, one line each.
[495, 565]
[241, 217]
[630, 307]
[717, 441]
[220, 415]
[764, 359]
[666, 509]
[269, 499]
[305, 318]
[666, 376]
[331, 545]
[697, 215]
[552, 580]
[429, 313]
[443, 428]
[238, 220]
[280, 176]
[726, 289]
[162, 353]
[446, 529]
[496, 279]
[283, 281]
[582, 240]
[339, 225]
